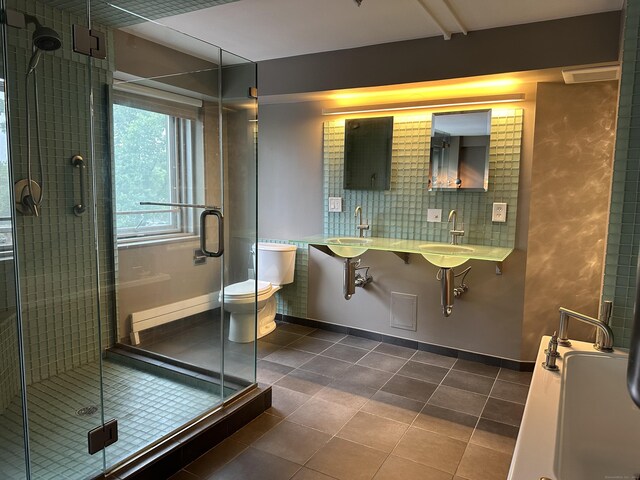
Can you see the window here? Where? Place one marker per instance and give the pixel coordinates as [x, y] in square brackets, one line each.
[154, 153]
[6, 209]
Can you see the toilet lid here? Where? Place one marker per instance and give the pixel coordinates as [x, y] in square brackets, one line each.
[246, 289]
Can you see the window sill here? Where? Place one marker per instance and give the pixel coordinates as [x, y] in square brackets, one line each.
[137, 242]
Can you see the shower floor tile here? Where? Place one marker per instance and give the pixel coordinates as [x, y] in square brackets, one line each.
[62, 409]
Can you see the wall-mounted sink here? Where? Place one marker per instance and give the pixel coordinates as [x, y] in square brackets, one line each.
[445, 255]
[348, 247]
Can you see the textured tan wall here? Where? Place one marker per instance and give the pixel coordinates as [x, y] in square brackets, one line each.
[571, 172]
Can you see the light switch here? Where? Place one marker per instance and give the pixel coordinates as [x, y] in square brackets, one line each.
[335, 204]
[499, 213]
[434, 215]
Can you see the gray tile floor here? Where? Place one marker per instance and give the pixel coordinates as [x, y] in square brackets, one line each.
[350, 408]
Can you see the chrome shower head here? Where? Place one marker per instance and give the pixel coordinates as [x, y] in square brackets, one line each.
[47, 39]
[44, 38]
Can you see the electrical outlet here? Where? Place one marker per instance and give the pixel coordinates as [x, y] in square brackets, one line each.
[335, 204]
[499, 212]
[434, 215]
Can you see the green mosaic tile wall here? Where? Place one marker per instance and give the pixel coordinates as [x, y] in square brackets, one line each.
[401, 212]
[623, 238]
[58, 265]
[9, 366]
[292, 298]
[103, 12]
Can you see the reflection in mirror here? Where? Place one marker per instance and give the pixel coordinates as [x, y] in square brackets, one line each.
[367, 153]
[460, 150]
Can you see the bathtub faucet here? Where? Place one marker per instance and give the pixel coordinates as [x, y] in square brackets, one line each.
[605, 342]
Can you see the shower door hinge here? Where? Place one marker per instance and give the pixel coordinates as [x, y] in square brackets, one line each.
[103, 436]
[253, 92]
[89, 42]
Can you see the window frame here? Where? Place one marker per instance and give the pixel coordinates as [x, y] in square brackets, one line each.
[183, 121]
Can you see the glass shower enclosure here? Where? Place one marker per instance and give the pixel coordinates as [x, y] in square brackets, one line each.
[127, 204]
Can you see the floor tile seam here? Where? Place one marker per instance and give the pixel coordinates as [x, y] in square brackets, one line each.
[513, 383]
[418, 378]
[423, 464]
[429, 363]
[453, 367]
[386, 371]
[411, 425]
[221, 466]
[505, 400]
[475, 427]
[427, 403]
[355, 346]
[317, 471]
[481, 446]
[350, 441]
[466, 391]
[307, 351]
[528, 384]
[396, 356]
[340, 359]
[361, 348]
[509, 401]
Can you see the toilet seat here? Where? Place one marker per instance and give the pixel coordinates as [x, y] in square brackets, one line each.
[247, 290]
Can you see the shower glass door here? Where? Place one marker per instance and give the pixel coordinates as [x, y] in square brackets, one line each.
[12, 438]
[182, 182]
[59, 323]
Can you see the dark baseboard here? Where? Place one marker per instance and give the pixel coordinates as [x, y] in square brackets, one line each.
[169, 457]
[414, 344]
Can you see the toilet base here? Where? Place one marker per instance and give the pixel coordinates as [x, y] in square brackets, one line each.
[242, 326]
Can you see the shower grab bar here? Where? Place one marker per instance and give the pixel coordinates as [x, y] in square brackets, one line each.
[78, 162]
[208, 211]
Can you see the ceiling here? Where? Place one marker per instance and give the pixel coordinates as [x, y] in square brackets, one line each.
[267, 29]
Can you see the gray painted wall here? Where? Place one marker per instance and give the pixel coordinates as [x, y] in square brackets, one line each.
[489, 319]
[555, 43]
[290, 170]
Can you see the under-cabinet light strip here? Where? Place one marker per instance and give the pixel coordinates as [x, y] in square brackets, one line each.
[451, 102]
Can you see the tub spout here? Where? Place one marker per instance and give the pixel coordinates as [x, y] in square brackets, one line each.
[606, 344]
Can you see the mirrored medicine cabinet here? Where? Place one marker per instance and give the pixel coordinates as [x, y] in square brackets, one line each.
[459, 154]
[367, 153]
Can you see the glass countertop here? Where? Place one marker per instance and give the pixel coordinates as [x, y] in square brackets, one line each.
[421, 247]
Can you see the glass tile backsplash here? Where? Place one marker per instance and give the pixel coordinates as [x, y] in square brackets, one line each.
[401, 212]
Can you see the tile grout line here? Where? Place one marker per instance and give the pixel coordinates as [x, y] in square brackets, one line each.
[477, 422]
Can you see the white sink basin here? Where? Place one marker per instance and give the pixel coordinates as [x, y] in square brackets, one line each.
[445, 255]
[348, 247]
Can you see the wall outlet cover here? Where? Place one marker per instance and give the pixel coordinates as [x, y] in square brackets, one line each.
[499, 212]
[434, 215]
[335, 204]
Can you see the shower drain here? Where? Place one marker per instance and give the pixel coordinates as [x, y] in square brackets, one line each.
[87, 411]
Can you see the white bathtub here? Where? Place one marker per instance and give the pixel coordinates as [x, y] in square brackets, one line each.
[579, 423]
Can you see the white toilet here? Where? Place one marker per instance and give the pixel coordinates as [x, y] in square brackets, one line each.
[276, 264]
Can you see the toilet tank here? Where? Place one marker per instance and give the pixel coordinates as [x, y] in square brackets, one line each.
[276, 262]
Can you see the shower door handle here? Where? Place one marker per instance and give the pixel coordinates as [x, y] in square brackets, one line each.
[78, 162]
[203, 232]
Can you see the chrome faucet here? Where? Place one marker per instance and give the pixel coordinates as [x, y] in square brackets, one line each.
[604, 343]
[361, 226]
[455, 233]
